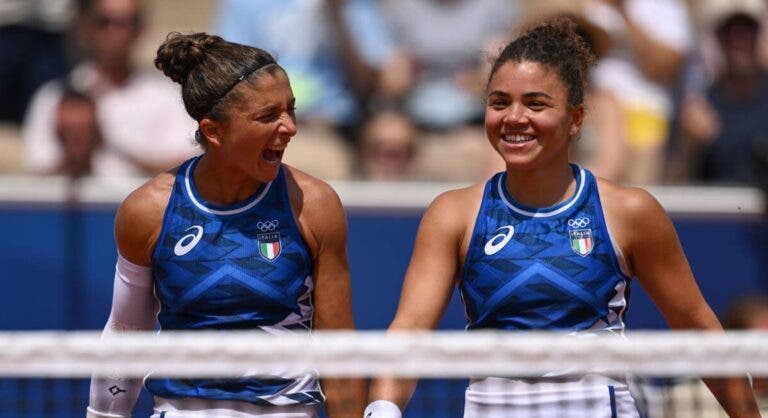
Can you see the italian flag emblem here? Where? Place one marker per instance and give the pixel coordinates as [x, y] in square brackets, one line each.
[581, 241]
[269, 245]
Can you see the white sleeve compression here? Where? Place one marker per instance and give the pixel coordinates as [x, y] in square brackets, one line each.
[134, 308]
[382, 409]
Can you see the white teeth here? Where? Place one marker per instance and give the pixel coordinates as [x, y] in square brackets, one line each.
[517, 139]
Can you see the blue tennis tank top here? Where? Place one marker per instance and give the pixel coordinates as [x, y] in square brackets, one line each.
[244, 266]
[551, 268]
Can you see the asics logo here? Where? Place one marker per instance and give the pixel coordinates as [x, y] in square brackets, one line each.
[267, 226]
[188, 242]
[578, 222]
[499, 240]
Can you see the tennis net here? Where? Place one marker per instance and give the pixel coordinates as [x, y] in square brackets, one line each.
[46, 374]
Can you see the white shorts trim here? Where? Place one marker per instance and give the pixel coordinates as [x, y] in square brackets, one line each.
[206, 408]
[589, 396]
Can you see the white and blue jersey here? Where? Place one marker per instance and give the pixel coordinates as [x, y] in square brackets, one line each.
[549, 268]
[244, 266]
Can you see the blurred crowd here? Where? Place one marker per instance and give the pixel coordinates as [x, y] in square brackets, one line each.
[392, 90]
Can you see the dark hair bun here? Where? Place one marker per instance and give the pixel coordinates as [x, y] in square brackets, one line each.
[181, 53]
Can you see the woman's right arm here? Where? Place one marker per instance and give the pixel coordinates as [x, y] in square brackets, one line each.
[134, 306]
[427, 289]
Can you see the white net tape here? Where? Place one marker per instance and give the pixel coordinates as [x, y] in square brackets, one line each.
[422, 354]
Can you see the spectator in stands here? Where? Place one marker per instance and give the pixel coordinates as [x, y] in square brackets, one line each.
[651, 39]
[388, 147]
[138, 111]
[601, 147]
[438, 75]
[78, 132]
[440, 46]
[32, 50]
[33, 46]
[726, 125]
[332, 56]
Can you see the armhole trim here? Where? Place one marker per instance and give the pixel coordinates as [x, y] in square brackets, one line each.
[620, 259]
[484, 201]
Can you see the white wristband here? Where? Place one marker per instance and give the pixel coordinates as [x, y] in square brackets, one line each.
[382, 409]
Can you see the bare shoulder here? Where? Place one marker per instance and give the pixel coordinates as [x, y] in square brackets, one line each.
[458, 203]
[313, 201]
[631, 212]
[140, 217]
[308, 190]
[626, 203]
[317, 209]
[451, 215]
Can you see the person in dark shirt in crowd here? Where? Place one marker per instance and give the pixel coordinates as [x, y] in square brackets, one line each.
[79, 133]
[726, 126]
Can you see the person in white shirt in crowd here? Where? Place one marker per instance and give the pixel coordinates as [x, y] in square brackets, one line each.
[137, 111]
[437, 77]
[651, 39]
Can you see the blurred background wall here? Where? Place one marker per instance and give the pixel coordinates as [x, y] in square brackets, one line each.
[58, 255]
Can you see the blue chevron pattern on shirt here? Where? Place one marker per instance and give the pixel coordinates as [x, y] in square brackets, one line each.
[549, 268]
[244, 266]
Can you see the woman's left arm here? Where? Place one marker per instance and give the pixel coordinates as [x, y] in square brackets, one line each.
[656, 257]
[324, 226]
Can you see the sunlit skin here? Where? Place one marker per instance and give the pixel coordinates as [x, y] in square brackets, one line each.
[245, 150]
[530, 123]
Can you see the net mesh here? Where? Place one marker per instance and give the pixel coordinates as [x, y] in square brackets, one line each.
[47, 374]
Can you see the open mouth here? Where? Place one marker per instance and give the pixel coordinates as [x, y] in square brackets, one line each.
[272, 156]
[517, 139]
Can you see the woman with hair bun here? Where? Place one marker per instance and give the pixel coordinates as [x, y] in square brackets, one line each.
[231, 240]
[544, 245]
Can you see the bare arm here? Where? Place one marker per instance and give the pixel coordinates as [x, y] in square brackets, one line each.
[428, 285]
[324, 227]
[657, 259]
[657, 60]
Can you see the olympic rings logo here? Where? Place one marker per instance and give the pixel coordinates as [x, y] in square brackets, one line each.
[578, 222]
[267, 226]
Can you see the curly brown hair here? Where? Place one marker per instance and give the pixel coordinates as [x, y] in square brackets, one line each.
[556, 44]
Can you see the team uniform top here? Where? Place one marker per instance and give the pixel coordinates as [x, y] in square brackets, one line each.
[244, 266]
[552, 269]
[549, 268]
